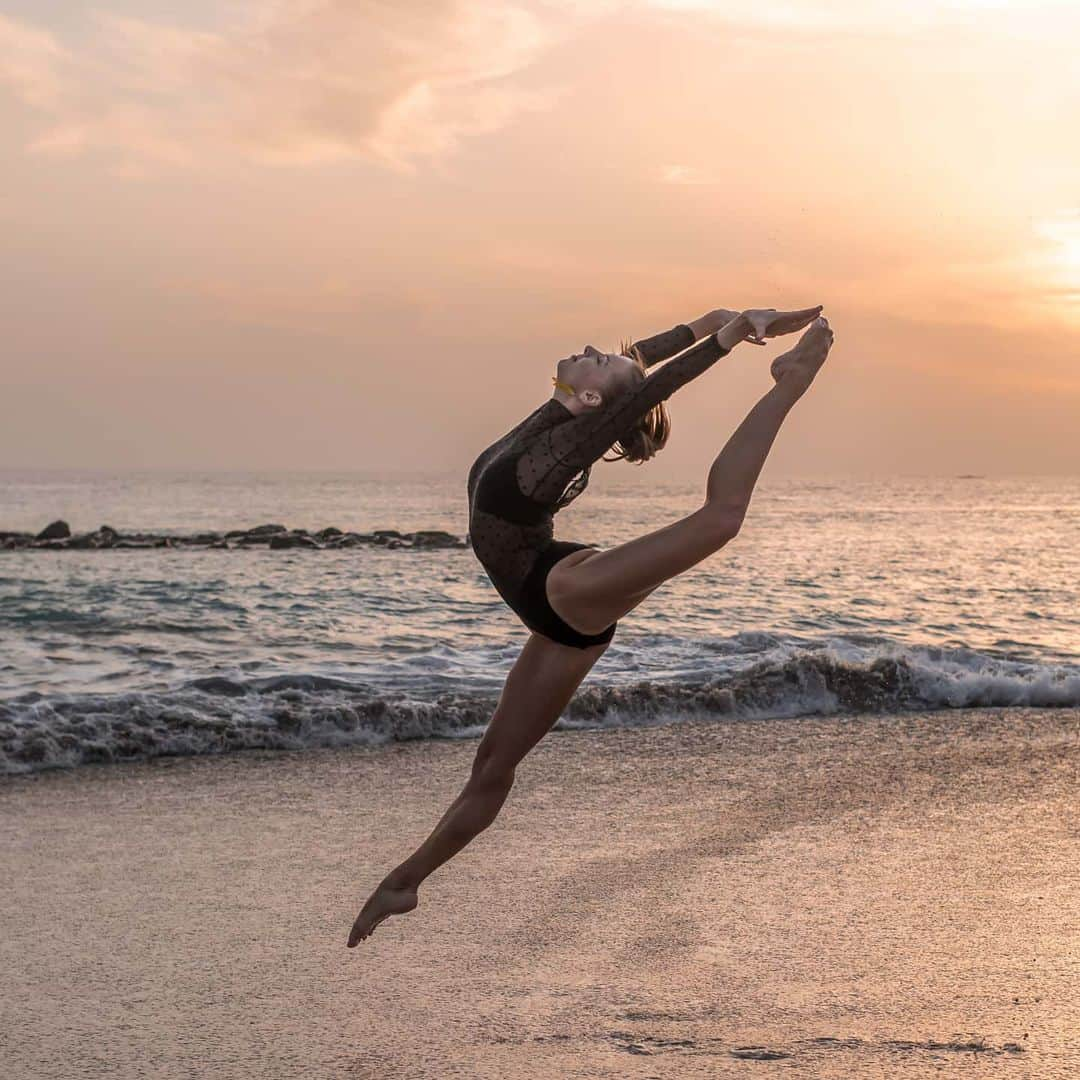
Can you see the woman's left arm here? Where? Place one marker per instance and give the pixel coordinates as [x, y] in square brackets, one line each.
[710, 322]
[665, 345]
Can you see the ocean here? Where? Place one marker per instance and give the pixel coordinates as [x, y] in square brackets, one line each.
[840, 596]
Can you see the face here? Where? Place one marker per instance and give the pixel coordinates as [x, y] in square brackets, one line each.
[598, 376]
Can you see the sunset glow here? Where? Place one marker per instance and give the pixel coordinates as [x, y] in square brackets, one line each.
[539, 535]
[1064, 233]
[339, 220]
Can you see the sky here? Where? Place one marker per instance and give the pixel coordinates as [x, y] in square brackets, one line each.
[334, 234]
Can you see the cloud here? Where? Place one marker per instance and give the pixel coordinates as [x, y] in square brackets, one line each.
[897, 18]
[302, 81]
[30, 63]
[683, 175]
[296, 81]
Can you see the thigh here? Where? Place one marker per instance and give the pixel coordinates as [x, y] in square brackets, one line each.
[591, 587]
[537, 689]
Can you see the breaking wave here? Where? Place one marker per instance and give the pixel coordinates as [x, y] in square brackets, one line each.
[218, 714]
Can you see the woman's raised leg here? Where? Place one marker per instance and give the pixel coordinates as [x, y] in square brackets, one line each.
[537, 689]
[591, 589]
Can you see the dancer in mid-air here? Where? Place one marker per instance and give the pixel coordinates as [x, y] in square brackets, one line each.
[570, 595]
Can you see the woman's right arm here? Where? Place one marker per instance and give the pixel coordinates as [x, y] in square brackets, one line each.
[579, 442]
[710, 322]
[617, 416]
[561, 452]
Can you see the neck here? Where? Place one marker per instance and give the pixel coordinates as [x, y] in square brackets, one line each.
[564, 393]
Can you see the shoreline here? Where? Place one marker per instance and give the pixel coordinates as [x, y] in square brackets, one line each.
[212, 715]
[847, 895]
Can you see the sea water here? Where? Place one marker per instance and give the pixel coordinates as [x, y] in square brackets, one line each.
[839, 595]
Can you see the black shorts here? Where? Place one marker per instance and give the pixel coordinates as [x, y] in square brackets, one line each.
[536, 612]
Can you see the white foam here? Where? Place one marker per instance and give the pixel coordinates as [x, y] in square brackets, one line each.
[292, 712]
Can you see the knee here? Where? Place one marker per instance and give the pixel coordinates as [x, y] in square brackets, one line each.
[723, 521]
[491, 773]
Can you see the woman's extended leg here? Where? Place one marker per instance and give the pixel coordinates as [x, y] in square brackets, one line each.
[591, 589]
[537, 689]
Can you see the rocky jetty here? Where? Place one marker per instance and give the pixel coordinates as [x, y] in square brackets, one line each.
[57, 536]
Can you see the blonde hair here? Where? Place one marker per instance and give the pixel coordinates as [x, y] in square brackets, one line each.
[650, 433]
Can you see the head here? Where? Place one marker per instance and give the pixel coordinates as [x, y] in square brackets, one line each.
[598, 378]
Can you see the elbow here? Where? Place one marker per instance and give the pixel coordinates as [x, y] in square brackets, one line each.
[722, 522]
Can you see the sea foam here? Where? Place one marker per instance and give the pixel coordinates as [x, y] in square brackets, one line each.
[290, 712]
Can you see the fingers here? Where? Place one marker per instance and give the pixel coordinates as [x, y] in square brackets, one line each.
[768, 322]
[806, 315]
[796, 320]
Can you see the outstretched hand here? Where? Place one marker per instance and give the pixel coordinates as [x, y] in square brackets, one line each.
[768, 322]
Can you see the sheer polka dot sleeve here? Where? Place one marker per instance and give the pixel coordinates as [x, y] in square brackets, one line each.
[667, 344]
[556, 455]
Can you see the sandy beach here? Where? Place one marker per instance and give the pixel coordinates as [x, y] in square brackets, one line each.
[860, 896]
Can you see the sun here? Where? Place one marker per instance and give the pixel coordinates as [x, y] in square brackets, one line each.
[1063, 231]
[1056, 265]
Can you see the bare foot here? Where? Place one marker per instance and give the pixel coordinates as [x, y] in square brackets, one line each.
[383, 902]
[798, 366]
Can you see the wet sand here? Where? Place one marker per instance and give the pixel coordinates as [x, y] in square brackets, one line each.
[855, 897]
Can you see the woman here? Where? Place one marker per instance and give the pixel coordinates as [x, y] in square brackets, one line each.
[570, 595]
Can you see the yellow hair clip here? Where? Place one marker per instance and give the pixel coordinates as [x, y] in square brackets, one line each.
[566, 388]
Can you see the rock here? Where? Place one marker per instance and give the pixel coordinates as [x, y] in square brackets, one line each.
[57, 530]
[142, 542]
[58, 536]
[259, 532]
[292, 540]
[104, 537]
[435, 538]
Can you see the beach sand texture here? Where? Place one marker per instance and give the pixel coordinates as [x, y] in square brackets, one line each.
[822, 897]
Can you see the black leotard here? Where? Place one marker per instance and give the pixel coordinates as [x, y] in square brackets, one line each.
[521, 481]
